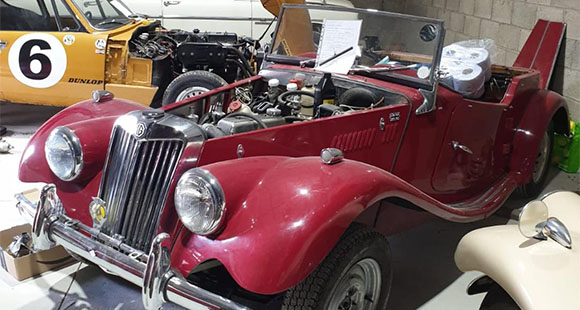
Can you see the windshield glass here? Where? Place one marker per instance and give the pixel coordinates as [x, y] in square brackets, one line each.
[399, 46]
[103, 14]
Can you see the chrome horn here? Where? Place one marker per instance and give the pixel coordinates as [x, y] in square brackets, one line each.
[535, 223]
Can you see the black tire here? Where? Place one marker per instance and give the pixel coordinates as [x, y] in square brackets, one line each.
[536, 184]
[498, 299]
[358, 97]
[204, 80]
[357, 244]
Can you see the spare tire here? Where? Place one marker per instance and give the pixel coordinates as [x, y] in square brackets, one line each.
[358, 97]
[191, 84]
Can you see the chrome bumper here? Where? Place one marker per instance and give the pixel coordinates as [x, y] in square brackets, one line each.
[159, 282]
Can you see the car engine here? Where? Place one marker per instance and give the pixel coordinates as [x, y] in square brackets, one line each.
[223, 53]
[267, 103]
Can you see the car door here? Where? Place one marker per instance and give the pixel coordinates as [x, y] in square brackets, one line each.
[214, 15]
[466, 160]
[47, 57]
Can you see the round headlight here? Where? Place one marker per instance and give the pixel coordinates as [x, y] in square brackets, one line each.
[199, 201]
[63, 153]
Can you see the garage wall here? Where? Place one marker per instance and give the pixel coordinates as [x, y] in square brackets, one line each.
[508, 23]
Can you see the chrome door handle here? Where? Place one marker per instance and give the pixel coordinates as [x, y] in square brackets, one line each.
[457, 146]
[3, 44]
[171, 2]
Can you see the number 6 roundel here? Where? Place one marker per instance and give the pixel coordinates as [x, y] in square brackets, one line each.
[37, 60]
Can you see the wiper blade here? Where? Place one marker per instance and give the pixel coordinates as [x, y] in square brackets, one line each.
[311, 62]
[381, 69]
[138, 15]
[322, 63]
[113, 21]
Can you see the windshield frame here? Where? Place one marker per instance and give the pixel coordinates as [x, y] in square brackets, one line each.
[426, 84]
[81, 12]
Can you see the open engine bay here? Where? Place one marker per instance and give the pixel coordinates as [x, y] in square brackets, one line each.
[222, 53]
[280, 98]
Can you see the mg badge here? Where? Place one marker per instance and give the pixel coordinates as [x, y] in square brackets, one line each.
[141, 128]
[98, 210]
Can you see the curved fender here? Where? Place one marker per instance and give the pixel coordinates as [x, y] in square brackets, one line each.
[284, 215]
[92, 123]
[536, 274]
[539, 111]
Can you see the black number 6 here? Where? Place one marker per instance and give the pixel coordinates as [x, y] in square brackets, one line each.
[25, 59]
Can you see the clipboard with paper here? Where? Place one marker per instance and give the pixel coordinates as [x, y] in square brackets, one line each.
[338, 46]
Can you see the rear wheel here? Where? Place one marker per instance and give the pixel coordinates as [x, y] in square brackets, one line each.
[356, 275]
[498, 299]
[541, 166]
[191, 84]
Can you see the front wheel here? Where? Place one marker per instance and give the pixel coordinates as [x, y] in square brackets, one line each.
[356, 275]
[191, 84]
[498, 299]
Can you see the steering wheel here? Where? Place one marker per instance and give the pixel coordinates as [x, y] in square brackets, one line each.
[89, 14]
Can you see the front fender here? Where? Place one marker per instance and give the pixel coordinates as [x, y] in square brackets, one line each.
[91, 121]
[542, 107]
[284, 215]
[536, 274]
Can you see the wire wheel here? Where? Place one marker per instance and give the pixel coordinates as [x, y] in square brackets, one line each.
[542, 159]
[191, 92]
[359, 288]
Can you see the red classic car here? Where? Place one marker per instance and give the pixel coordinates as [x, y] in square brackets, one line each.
[265, 194]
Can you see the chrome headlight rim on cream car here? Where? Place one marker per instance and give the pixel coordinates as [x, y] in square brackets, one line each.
[70, 146]
[200, 201]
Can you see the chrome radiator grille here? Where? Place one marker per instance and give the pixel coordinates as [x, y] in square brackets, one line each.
[135, 185]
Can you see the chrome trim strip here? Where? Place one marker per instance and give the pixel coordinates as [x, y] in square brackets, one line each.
[493, 191]
[555, 56]
[228, 18]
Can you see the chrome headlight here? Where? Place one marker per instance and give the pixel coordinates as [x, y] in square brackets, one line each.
[200, 201]
[64, 153]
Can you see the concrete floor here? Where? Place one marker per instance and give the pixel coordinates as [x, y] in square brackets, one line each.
[425, 276]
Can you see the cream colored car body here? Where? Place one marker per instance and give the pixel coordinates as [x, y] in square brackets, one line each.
[536, 274]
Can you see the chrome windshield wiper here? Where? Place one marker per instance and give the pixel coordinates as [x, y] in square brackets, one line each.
[359, 69]
[311, 62]
[113, 21]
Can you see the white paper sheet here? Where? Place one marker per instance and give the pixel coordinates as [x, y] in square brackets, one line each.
[336, 37]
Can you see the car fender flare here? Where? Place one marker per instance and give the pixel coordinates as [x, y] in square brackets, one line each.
[85, 117]
[284, 215]
[281, 222]
[536, 274]
[542, 107]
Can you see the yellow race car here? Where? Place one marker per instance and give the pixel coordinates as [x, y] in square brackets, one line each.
[56, 52]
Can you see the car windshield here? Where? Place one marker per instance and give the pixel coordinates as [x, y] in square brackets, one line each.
[381, 44]
[104, 14]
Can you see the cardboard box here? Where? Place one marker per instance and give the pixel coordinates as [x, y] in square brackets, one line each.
[32, 264]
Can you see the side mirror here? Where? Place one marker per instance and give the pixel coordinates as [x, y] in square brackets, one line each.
[535, 223]
[534, 213]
